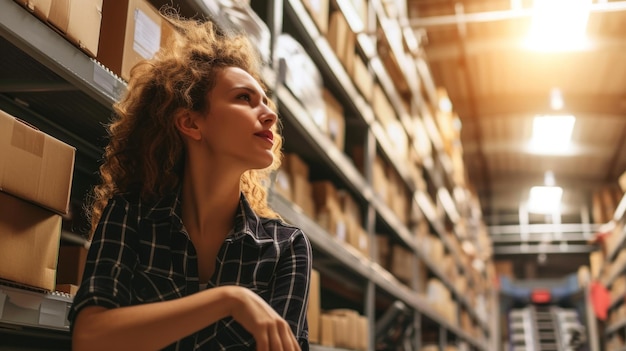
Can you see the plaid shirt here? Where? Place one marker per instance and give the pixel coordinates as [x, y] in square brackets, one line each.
[141, 253]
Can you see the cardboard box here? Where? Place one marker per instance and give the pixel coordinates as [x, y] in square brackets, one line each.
[35, 166]
[318, 9]
[334, 118]
[131, 31]
[325, 195]
[39, 8]
[30, 243]
[71, 264]
[79, 21]
[327, 330]
[314, 308]
[363, 78]
[346, 327]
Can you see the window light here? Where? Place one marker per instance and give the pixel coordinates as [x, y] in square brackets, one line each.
[558, 25]
[552, 134]
[545, 199]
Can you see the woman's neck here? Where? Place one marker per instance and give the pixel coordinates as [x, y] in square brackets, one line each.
[209, 201]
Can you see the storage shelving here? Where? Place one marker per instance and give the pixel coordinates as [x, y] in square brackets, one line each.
[612, 269]
[87, 89]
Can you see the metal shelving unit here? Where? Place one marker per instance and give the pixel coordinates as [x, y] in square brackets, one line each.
[99, 88]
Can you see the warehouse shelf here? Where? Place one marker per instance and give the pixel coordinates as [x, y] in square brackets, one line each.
[619, 244]
[618, 216]
[359, 264]
[24, 308]
[35, 38]
[102, 88]
[327, 62]
[294, 111]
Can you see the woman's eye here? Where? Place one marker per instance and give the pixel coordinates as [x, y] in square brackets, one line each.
[245, 97]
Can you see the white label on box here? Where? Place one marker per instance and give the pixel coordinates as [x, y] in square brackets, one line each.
[147, 35]
[341, 231]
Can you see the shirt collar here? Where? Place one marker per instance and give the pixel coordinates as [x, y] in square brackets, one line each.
[246, 220]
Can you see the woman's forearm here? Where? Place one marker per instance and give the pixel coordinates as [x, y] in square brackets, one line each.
[151, 326]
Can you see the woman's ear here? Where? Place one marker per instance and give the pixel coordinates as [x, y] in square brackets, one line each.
[185, 122]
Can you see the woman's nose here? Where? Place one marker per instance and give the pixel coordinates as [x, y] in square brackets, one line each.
[268, 116]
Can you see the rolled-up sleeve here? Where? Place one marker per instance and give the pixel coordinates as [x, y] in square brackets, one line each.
[110, 262]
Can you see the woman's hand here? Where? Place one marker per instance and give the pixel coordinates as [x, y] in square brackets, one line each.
[269, 329]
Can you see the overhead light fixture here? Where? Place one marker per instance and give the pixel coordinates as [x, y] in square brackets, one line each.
[552, 134]
[558, 25]
[556, 99]
[545, 199]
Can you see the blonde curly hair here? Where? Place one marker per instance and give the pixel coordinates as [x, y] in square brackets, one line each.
[145, 151]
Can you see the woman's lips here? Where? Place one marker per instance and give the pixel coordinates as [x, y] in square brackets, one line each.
[267, 134]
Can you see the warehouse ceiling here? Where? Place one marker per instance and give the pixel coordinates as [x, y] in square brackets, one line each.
[478, 51]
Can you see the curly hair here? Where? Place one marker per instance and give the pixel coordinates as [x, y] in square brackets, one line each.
[145, 152]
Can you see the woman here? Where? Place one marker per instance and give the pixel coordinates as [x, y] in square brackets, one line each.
[186, 254]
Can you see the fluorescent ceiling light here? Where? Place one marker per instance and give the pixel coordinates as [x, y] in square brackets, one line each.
[552, 134]
[558, 25]
[545, 199]
[556, 99]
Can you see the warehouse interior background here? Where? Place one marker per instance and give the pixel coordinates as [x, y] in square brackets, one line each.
[520, 148]
[503, 64]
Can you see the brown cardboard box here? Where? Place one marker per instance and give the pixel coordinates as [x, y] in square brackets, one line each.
[362, 333]
[318, 9]
[131, 30]
[301, 187]
[327, 330]
[341, 39]
[30, 243]
[79, 21]
[334, 117]
[331, 219]
[363, 79]
[35, 166]
[71, 264]
[40, 8]
[346, 327]
[325, 195]
[314, 308]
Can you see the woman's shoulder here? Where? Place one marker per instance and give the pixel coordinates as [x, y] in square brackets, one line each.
[283, 230]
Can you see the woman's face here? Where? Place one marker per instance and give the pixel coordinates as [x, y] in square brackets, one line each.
[237, 127]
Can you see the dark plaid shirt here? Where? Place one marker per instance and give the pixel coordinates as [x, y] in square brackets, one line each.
[141, 253]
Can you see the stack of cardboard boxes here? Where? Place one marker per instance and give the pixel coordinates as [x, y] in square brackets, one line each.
[118, 33]
[35, 183]
[344, 328]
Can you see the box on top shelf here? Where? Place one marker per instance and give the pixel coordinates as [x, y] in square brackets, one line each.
[318, 9]
[244, 17]
[35, 166]
[131, 31]
[30, 243]
[342, 40]
[77, 20]
[303, 78]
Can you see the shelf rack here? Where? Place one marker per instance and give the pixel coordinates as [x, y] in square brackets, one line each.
[103, 88]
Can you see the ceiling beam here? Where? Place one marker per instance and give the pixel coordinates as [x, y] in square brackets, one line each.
[477, 46]
[503, 106]
[521, 147]
[491, 16]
